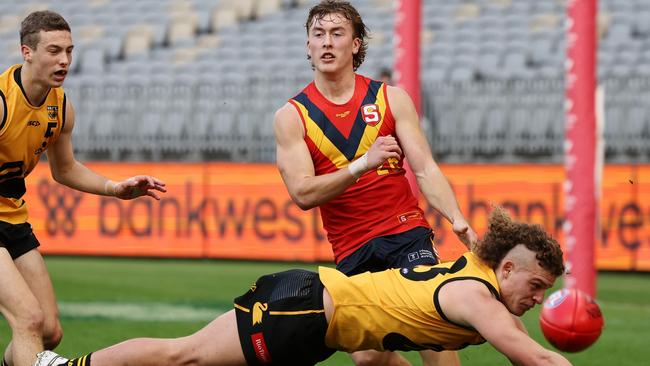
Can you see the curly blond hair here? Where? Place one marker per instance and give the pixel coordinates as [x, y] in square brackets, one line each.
[504, 234]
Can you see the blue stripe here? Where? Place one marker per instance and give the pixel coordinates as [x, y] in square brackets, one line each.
[347, 146]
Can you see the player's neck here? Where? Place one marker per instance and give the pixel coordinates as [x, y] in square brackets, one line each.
[34, 90]
[337, 88]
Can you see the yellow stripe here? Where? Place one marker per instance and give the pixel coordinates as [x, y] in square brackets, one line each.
[242, 308]
[298, 312]
[82, 362]
[370, 133]
[321, 141]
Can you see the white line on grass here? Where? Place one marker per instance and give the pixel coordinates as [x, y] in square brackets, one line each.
[137, 311]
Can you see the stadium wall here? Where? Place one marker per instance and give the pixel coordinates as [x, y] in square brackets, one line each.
[242, 211]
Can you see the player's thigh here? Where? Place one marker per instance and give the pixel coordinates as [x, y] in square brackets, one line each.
[216, 344]
[16, 298]
[32, 268]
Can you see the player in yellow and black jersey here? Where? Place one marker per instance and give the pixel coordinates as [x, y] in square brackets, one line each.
[298, 317]
[36, 118]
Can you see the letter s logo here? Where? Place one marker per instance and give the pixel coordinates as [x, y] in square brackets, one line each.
[370, 114]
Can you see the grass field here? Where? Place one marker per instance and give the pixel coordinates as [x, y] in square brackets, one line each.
[104, 301]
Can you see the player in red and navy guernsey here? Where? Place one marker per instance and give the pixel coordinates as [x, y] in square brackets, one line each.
[341, 145]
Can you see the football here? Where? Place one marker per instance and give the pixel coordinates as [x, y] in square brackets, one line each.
[571, 320]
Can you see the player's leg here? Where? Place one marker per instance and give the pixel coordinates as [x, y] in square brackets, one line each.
[32, 267]
[21, 309]
[217, 344]
[376, 358]
[445, 358]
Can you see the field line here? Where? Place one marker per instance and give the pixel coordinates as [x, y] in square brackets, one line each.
[137, 311]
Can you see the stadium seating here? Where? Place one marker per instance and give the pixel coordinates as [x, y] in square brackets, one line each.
[201, 79]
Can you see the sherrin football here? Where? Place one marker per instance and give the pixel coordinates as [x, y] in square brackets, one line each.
[571, 320]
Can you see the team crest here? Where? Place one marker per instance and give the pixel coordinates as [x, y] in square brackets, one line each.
[258, 311]
[52, 111]
[370, 114]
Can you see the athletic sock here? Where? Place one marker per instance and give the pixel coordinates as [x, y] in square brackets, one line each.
[81, 361]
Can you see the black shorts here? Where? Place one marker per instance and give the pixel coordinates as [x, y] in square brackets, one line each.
[18, 239]
[281, 320]
[407, 249]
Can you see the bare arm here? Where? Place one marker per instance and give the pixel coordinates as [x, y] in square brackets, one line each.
[294, 161]
[470, 303]
[68, 171]
[431, 180]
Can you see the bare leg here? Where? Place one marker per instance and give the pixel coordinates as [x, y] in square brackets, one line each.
[21, 309]
[376, 358]
[32, 267]
[446, 358]
[217, 344]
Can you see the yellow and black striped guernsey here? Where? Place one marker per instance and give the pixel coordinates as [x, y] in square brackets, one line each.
[398, 309]
[26, 131]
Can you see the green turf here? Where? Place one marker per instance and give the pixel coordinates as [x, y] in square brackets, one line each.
[207, 285]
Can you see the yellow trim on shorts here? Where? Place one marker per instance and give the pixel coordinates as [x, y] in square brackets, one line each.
[237, 306]
[297, 312]
[274, 312]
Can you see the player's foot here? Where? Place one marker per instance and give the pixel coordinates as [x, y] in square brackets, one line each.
[49, 358]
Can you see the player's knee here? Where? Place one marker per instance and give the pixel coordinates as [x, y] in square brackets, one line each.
[52, 334]
[176, 354]
[30, 319]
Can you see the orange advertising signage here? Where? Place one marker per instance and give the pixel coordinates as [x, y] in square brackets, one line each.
[243, 211]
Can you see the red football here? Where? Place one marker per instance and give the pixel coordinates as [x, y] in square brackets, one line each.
[571, 320]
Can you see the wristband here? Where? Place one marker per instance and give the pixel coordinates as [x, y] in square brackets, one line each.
[109, 188]
[359, 166]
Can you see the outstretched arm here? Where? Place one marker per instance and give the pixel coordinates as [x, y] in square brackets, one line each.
[470, 303]
[294, 161]
[432, 182]
[68, 171]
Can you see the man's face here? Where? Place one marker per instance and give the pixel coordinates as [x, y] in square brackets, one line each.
[523, 287]
[52, 57]
[331, 43]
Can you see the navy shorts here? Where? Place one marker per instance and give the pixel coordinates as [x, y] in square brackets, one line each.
[281, 320]
[407, 249]
[18, 239]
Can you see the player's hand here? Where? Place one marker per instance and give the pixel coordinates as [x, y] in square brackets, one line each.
[384, 148]
[465, 233]
[140, 185]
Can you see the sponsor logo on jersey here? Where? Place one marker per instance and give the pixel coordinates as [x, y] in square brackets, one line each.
[409, 216]
[33, 123]
[343, 114]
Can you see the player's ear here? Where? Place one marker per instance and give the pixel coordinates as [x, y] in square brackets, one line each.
[507, 267]
[26, 52]
[356, 43]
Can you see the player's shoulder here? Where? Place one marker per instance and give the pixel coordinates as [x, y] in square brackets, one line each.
[396, 92]
[286, 113]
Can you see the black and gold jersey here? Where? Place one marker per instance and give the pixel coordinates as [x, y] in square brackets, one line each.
[398, 309]
[25, 133]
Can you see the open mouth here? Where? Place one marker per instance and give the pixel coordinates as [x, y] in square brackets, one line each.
[327, 56]
[61, 73]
